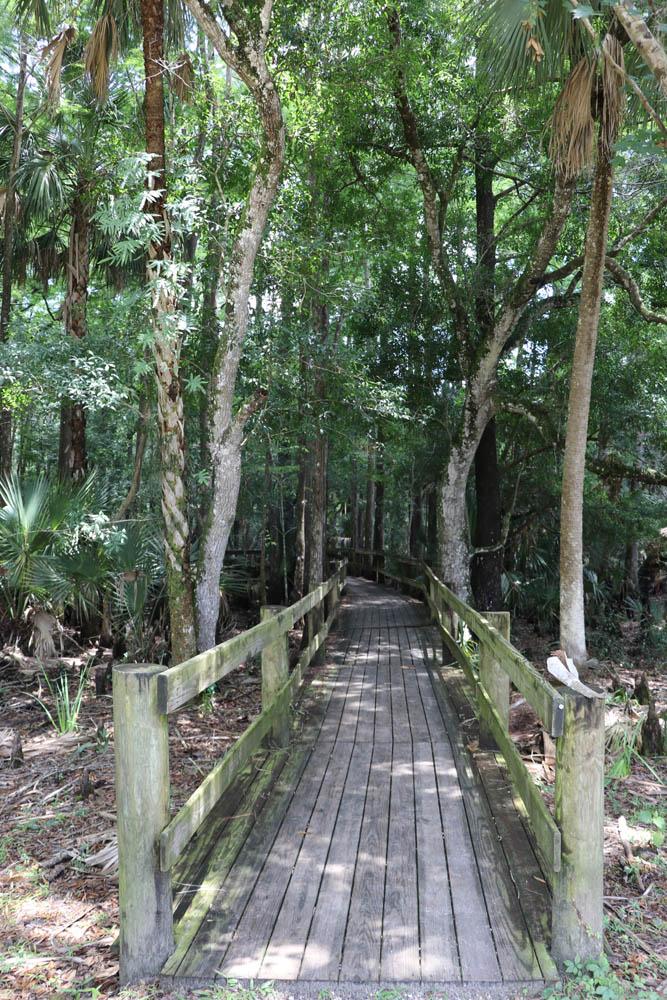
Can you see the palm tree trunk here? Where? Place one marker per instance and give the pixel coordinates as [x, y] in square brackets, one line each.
[73, 458]
[572, 624]
[167, 352]
[10, 206]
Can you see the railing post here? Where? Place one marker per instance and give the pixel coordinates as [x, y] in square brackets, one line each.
[495, 680]
[275, 671]
[577, 915]
[141, 748]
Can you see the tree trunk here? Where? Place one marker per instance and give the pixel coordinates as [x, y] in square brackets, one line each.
[487, 566]
[478, 360]
[166, 349]
[72, 458]
[647, 45]
[139, 451]
[415, 523]
[300, 540]
[572, 623]
[354, 513]
[244, 51]
[316, 513]
[631, 577]
[378, 527]
[432, 527]
[8, 234]
[370, 498]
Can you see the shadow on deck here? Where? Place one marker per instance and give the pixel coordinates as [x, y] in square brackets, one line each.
[372, 851]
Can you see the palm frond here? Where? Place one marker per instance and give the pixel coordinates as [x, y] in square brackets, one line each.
[54, 53]
[572, 123]
[517, 38]
[41, 184]
[34, 12]
[182, 77]
[100, 53]
[613, 92]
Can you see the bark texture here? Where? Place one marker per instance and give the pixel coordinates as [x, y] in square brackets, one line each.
[647, 45]
[167, 350]
[247, 57]
[8, 236]
[73, 458]
[487, 562]
[572, 623]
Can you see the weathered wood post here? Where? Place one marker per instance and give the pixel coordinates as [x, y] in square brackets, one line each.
[577, 914]
[495, 680]
[275, 671]
[141, 747]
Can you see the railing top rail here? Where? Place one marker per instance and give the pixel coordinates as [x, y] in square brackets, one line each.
[179, 684]
[548, 702]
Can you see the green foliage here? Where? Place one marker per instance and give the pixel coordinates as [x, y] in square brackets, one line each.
[655, 820]
[35, 519]
[597, 979]
[65, 709]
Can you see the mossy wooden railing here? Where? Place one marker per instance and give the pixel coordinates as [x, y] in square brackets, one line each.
[144, 695]
[570, 842]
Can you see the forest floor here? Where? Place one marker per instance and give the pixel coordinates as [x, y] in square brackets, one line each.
[58, 889]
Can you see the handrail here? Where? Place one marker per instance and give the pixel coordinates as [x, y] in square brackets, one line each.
[542, 696]
[570, 842]
[149, 841]
[184, 681]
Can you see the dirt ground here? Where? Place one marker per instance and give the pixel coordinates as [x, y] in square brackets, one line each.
[58, 887]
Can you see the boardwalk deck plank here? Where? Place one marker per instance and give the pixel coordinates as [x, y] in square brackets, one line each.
[375, 855]
[322, 954]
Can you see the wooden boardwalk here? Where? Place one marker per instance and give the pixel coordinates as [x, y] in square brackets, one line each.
[371, 851]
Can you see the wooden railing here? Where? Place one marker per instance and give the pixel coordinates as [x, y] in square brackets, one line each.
[571, 842]
[149, 841]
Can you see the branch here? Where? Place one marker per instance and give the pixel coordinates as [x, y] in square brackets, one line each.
[573, 265]
[531, 278]
[142, 438]
[427, 183]
[613, 468]
[626, 281]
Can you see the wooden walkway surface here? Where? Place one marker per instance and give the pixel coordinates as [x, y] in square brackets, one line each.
[371, 851]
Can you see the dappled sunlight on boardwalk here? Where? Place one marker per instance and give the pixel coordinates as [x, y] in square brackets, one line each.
[372, 857]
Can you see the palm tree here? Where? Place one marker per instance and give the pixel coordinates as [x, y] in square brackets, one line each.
[8, 249]
[593, 96]
[591, 101]
[519, 34]
[57, 181]
[118, 22]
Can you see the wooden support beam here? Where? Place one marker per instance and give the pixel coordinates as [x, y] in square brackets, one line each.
[174, 837]
[141, 748]
[538, 692]
[577, 917]
[275, 671]
[179, 684]
[494, 679]
[546, 832]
